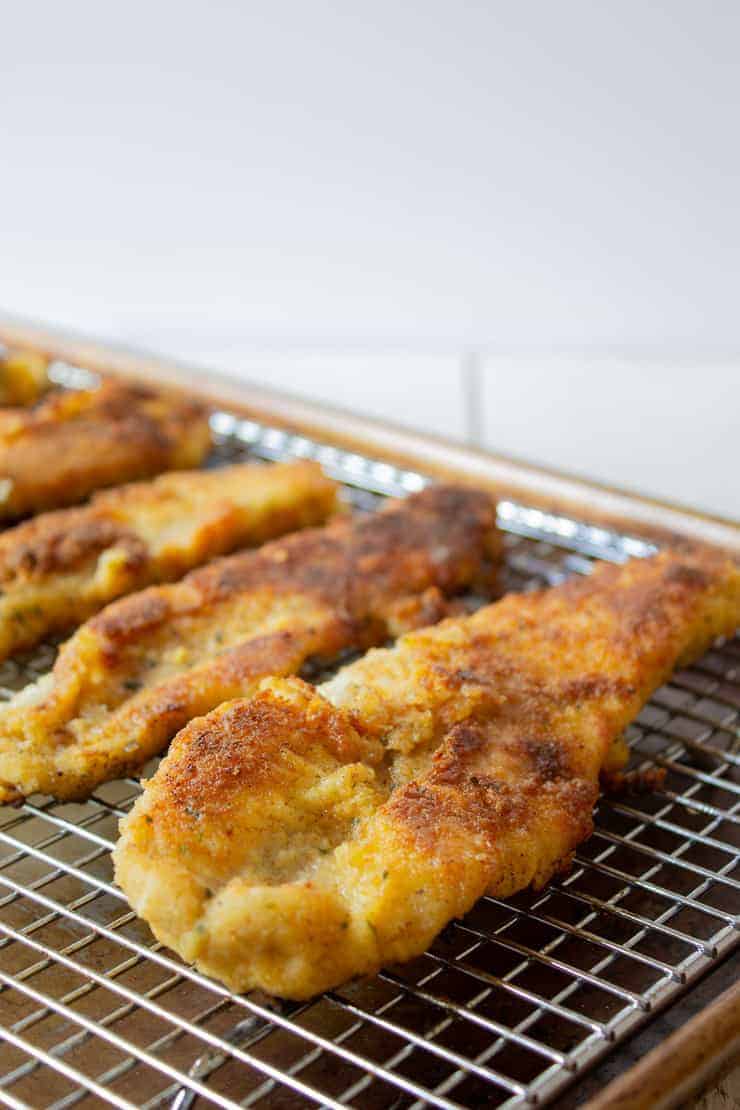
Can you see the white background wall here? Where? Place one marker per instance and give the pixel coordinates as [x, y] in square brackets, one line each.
[347, 198]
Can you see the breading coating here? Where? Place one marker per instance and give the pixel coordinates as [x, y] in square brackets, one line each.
[74, 442]
[298, 838]
[59, 568]
[133, 675]
[23, 377]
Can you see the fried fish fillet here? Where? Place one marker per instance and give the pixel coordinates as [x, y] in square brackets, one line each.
[300, 837]
[23, 377]
[74, 442]
[61, 567]
[133, 675]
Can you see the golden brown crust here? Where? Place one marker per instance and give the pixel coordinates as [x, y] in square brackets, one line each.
[217, 766]
[356, 567]
[23, 377]
[62, 541]
[72, 443]
[147, 664]
[61, 567]
[297, 838]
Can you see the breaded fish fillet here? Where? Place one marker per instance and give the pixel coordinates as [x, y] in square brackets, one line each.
[23, 377]
[74, 442]
[61, 567]
[137, 672]
[300, 837]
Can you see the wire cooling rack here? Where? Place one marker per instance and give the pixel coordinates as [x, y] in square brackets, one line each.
[507, 1007]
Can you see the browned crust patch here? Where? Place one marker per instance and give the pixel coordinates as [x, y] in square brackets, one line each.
[72, 443]
[237, 747]
[62, 541]
[355, 566]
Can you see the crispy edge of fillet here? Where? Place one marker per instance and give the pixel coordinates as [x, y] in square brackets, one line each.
[59, 568]
[136, 673]
[74, 442]
[301, 837]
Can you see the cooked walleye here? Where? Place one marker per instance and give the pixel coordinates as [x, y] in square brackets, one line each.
[74, 442]
[300, 837]
[23, 377]
[142, 668]
[61, 567]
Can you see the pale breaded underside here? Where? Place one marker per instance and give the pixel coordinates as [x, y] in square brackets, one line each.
[74, 442]
[297, 838]
[137, 672]
[61, 567]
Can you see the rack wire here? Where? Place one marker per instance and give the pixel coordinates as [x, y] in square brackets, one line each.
[508, 1006]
